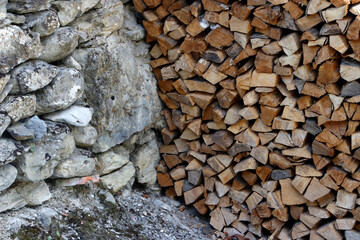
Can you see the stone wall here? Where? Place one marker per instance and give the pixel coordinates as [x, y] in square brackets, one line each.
[78, 99]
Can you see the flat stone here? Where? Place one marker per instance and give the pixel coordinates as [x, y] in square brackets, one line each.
[37, 125]
[19, 107]
[4, 123]
[27, 6]
[110, 161]
[62, 92]
[23, 194]
[44, 22]
[75, 115]
[79, 164]
[115, 181]
[46, 153]
[145, 159]
[85, 136]
[31, 76]
[8, 175]
[8, 151]
[20, 132]
[16, 47]
[59, 44]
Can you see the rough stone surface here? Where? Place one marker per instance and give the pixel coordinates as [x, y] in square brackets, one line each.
[145, 159]
[45, 22]
[115, 181]
[16, 47]
[51, 53]
[20, 132]
[45, 154]
[5, 91]
[62, 92]
[24, 194]
[8, 175]
[99, 22]
[67, 11]
[19, 107]
[110, 161]
[37, 125]
[59, 44]
[79, 164]
[8, 151]
[31, 76]
[75, 115]
[4, 123]
[85, 136]
[27, 6]
[4, 79]
[120, 94]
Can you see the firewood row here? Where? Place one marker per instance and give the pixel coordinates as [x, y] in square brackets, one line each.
[262, 113]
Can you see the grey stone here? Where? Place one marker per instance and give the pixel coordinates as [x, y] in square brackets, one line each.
[19, 132]
[115, 181]
[4, 79]
[75, 115]
[59, 44]
[45, 154]
[4, 123]
[106, 197]
[71, 63]
[15, 18]
[45, 22]
[8, 151]
[352, 235]
[19, 107]
[145, 159]
[26, 6]
[62, 92]
[100, 22]
[122, 93]
[5, 92]
[8, 175]
[37, 125]
[85, 136]
[45, 215]
[110, 161]
[3, 9]
[16, 223]
[16, 47]
[86, 5]
[24, 194]
[79, 164]
[31, 76]
[131, 28]
[67, 11]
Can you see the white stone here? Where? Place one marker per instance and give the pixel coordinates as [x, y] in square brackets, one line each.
[75, 115]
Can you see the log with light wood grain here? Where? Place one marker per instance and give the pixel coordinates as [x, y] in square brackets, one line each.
[262, 110]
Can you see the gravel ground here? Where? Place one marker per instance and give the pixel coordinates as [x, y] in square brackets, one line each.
[87, 212]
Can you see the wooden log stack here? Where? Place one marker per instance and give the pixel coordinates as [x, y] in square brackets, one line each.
[262, 112]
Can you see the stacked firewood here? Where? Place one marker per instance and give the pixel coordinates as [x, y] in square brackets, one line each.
[262, 112]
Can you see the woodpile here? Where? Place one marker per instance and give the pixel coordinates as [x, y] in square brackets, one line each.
[262, 112]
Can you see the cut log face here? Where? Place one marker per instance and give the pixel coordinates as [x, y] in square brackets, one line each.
[262, 112]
